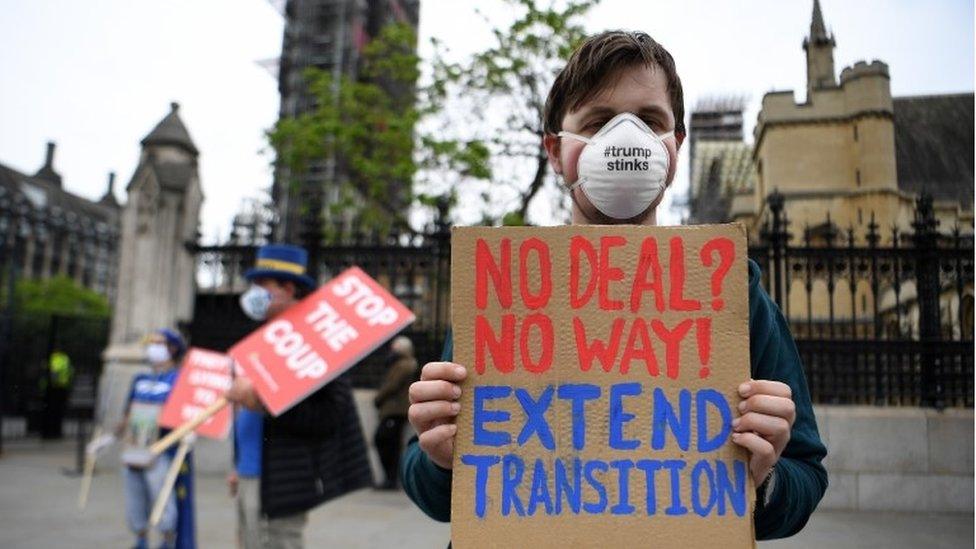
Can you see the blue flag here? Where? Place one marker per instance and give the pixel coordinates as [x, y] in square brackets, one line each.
[186, 528]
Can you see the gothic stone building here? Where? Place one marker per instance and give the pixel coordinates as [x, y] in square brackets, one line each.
[53, 232]
[853, 150]
[851, 154]
[850, 149]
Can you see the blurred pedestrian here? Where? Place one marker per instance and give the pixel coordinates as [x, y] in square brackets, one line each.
[310, 454]
[144, 476]
[392, 400]
[56, 386]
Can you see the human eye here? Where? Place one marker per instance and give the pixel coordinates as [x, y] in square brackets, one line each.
[595, 123]
[654, 123]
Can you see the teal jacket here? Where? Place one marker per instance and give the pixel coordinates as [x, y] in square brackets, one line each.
[800, 478]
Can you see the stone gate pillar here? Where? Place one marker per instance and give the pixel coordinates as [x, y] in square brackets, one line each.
[155, 282]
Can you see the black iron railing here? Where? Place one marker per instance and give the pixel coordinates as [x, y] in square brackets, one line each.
[883, 319]
[878, 318]
[414, 266]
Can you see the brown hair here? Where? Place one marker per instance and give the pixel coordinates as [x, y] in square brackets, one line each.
[588, 72]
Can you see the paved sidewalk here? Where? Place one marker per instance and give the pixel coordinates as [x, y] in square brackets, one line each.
[38, 510]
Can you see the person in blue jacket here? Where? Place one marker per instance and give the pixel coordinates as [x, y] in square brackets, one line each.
[622, 88]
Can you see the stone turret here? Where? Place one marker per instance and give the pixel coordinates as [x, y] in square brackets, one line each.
[862, 69]
[160, 216]
[171, 132]
[867, 87]
[820, 53]
[838, 142]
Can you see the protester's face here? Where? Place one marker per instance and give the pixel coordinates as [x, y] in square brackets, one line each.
[282, 295]
[401, 347]
[158, 339]
[640, 90]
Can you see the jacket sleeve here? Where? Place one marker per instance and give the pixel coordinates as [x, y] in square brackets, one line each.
[426, 483]
[800, 479]
[318, 415]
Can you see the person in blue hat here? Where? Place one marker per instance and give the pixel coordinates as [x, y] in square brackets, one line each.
[143, 481]
[312, 453]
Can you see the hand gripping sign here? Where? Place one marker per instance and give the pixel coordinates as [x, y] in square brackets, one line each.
[296, 353]
[203, 380]
[293, 355]
[603, 364]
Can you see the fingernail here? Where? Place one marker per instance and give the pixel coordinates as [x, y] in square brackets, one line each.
[455, 407]
[460, 370]
[744, 389]
[735, 423]
[453, 428]
[457, 391]
[742, 406]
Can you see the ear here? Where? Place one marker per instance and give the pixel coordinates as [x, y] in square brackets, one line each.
[551, 143]
[288, 287]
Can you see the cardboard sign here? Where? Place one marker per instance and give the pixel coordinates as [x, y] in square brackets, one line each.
[296, 353]
[204, 378]
[603, 368]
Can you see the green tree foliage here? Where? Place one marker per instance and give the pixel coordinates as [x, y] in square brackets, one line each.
[369, 124]
[471, 132]
[59, 295]
[56, 313]
[509, 82]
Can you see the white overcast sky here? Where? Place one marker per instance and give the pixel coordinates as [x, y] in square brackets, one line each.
[96, 75]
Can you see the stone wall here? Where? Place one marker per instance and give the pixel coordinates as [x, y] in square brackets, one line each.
[898, 459]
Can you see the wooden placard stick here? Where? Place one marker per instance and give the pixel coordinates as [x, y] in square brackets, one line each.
[89, 472]
[95, 445]
[170, 480]
[177, 434]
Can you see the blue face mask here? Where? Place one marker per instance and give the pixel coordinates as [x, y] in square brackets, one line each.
[255, 302]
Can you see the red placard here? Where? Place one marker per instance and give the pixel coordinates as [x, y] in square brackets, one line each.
[204, 377]
[299, 351]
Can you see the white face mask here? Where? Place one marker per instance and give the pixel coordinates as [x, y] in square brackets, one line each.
[255, 302]
[157, 353]
[623, 168]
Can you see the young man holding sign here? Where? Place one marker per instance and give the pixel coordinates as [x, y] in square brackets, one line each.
[307, 455]
[614, 124]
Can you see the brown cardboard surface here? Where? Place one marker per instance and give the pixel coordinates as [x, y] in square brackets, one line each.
[515, 475]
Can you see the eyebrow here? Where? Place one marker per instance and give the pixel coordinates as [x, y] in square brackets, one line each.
[653, 110]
